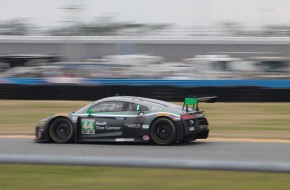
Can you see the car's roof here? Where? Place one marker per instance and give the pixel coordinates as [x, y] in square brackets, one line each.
[141, 100]
[152, 104]
[129, 98]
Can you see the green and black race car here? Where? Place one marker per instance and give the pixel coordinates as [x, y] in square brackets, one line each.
[128, 119]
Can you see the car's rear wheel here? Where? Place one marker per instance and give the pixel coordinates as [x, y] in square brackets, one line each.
[61, 130]
[163, 131]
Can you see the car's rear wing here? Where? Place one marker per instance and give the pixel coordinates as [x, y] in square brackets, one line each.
[211, 99]
[193, 101]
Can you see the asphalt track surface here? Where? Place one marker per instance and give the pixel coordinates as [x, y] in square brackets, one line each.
[201, 150]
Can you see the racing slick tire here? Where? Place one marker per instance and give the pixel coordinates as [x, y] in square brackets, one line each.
[163, 131]
[61, 130]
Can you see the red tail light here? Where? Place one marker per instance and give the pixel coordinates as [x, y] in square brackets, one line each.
[185, 117]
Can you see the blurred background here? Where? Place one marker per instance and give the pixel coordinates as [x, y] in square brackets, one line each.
[246, 43]
[165, 49]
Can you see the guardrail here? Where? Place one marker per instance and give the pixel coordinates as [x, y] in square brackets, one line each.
[145, 39]
[42, 37]
[140, 162]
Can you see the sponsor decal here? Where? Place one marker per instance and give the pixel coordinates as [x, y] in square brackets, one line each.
[124, 139]
[145, 126]
[133, 125]
[101, 123]
[108, 128]
[108, 134]
[88, 126]
[146, 138]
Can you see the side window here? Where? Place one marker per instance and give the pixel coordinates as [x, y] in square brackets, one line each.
[136, 107]
[110, 106]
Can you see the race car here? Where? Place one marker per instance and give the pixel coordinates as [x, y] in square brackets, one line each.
[128, 119]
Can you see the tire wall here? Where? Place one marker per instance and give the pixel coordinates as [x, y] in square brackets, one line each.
[167, 93]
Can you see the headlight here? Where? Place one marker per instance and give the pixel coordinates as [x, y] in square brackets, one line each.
[39, 132]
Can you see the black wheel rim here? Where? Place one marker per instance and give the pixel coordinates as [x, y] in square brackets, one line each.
[62, 130]
[164, 131]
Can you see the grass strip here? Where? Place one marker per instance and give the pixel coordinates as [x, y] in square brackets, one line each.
[44, 177]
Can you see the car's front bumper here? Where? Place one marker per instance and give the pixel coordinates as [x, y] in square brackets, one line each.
[41, 134]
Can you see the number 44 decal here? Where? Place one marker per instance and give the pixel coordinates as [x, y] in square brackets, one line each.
[88, 126]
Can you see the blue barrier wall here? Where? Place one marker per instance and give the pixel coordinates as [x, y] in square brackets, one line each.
[158, 82]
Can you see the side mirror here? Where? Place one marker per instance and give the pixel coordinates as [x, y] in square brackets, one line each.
[89, 111]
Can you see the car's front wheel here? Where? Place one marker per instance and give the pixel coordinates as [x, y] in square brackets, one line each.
[163, 131]
[61, 130]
